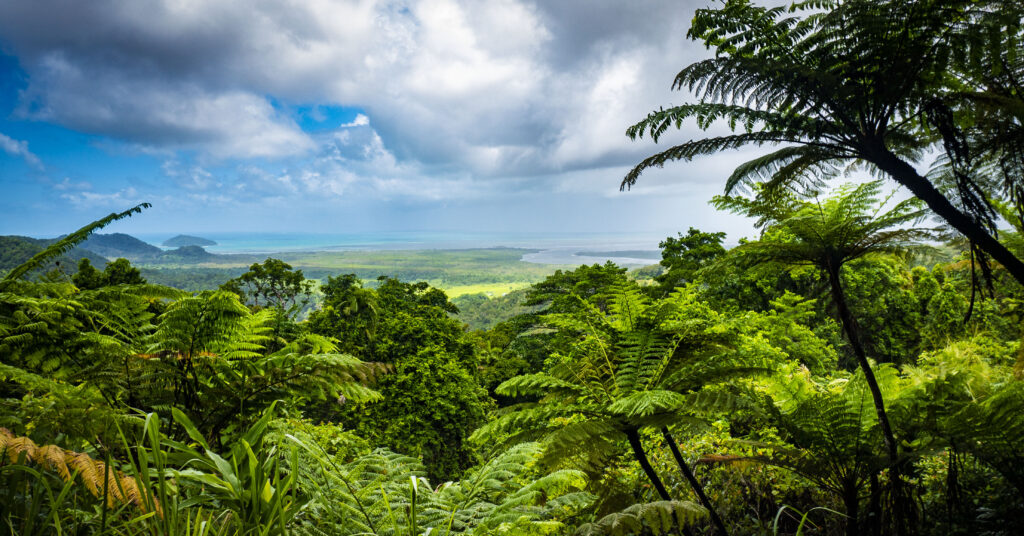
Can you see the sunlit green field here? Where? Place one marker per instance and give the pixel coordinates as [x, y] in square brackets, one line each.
[492, 290]
[478, 270]
[465, 271]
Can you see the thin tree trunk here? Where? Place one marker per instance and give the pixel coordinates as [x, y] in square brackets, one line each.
[694, 483]
[641, 456]
[851, 501]
[923, 189]
[875, 507]
[638, 452]
[902, 513]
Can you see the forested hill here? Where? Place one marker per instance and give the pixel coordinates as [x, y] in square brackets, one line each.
[121, 245]
[15, 250]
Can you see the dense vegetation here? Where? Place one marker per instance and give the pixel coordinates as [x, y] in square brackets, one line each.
[855, 369]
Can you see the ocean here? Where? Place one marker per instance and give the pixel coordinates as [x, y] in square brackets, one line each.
[578, 248]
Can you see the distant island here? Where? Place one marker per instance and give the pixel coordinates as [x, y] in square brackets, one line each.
[187, 240]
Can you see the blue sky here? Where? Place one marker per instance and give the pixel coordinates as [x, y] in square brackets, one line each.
[344, 116]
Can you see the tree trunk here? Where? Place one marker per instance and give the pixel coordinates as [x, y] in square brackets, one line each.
[923, 189]
[902, 512]
[638, 452]
[851, 501]
[875, 507]
[697, 488]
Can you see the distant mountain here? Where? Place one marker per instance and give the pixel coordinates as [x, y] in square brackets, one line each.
[188, 240]
[121, 245]
[15, 250]
[100, 248]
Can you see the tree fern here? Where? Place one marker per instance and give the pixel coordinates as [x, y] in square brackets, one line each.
[385, 493]
[635, 366]
[210, 347]
[830, 431]
[815, 83]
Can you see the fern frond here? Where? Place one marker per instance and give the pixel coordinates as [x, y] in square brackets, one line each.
[660, 517]
[65, 244]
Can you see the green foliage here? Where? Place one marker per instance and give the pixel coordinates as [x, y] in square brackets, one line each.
[348, 313]
[683, 257]
[207, 357]
[272, 284]
[661, 517]
[386, 493]
[119, 272]
[480, 311]
[431, 402]
[636, 366]
[559, 290]
[432, 394]
[829, 233]
[249, 482]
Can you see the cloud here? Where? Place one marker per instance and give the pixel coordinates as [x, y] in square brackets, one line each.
[118, 199]
[19, 148]
[502, 88]
[66, 184]
[360, 121]
[158, 114]
[190, 178]
[353, 163]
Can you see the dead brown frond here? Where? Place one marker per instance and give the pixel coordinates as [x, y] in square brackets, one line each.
[93, 474]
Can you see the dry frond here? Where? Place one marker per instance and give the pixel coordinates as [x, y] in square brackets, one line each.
[94, 474]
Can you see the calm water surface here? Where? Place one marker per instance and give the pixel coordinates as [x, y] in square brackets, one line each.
[550, 248]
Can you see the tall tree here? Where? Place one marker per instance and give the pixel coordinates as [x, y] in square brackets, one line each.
[682, 257]
[845, 83]
[276, 286]
[272, 284]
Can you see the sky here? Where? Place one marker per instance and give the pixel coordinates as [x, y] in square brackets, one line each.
[347, 116]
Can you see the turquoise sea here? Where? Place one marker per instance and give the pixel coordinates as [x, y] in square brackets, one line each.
[576, 248]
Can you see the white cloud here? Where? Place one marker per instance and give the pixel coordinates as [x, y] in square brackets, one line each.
[360, 121]
[19, 148]
[119, 199]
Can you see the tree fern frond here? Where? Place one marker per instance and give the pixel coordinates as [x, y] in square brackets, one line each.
[690, 149]
[65, 244]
